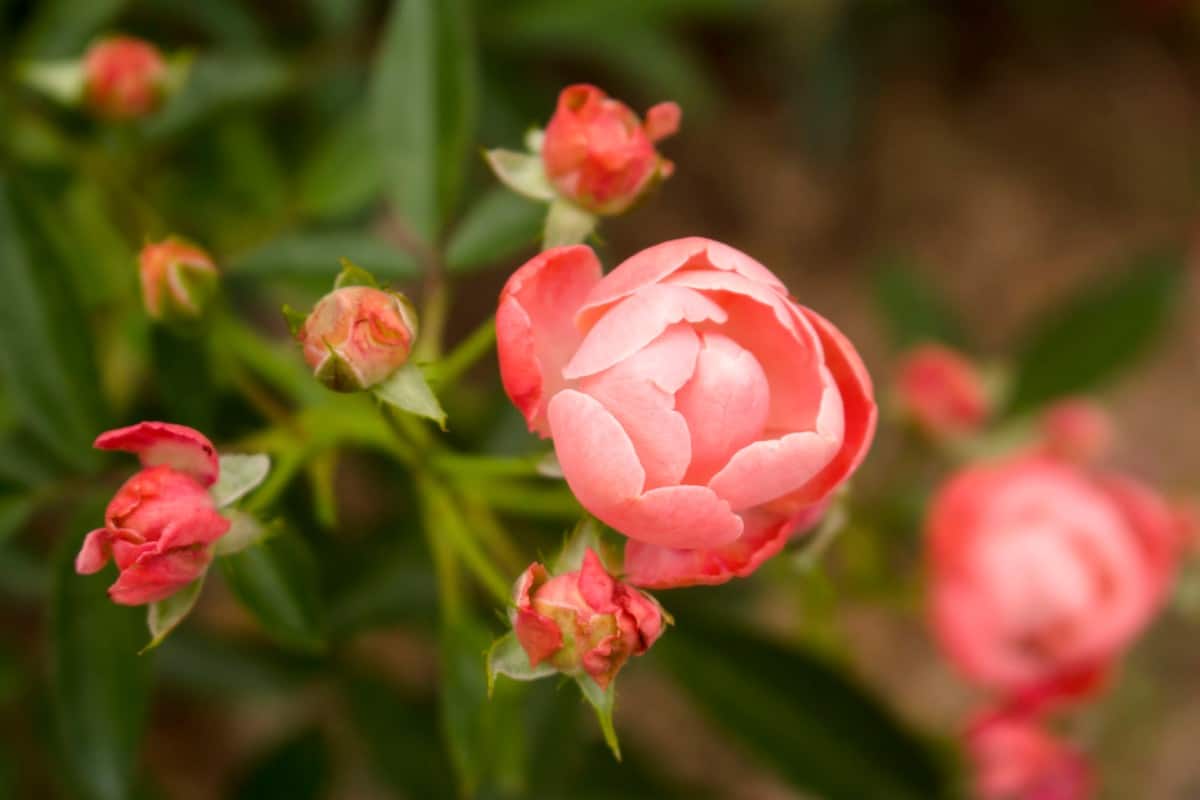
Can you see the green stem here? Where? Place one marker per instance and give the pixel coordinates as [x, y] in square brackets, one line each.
[479, 344]
[462, 467]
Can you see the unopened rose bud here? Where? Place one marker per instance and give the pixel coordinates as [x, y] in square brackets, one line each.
[357, 336]
[124, 77]
[599, 155]
[179, 280]
[584, 621]
[1015, 759]
[941, 391]
[1077, 430]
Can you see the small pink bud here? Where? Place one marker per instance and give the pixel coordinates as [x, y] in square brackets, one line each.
[941, 391]
[1077, 430]
[583, 621]
[599, 155]
[124, 77]
[357, 336]
[1015, 759]
[179, 280]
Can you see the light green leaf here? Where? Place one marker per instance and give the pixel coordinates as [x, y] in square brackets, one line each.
[354, 275]
[408, 391]
[62, 81]
[602, 701]
[506, 657]
[423, 104]
[165, 615]
[521, 172]
[240, 474]
[244, 531]
[500, 225]
[567, 223]
[316, 254]
[275, 579]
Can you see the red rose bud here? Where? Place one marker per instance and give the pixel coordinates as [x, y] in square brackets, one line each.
[941, 391]
[179, 280]
[583, 621]
[1015, 759]
[160, 526]
[1077, 430]
[599, 155]
[124, 77]
[357, 336]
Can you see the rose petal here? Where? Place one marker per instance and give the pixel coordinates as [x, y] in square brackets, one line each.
[662, 120]
[769, 469]
[597, 458]
[198, 526]
[677, 516]
[95, 552]
[164, 444]
[157, 576]
[535, 331]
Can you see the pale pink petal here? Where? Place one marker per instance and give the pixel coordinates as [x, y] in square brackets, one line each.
[635, 322]
[662, 120]
[677, 516]
[595, 454]
[1153, 524]
[767, 470]
[535, 331]
[162, 443]
[712, 280]
[725, 405]
[95, 552]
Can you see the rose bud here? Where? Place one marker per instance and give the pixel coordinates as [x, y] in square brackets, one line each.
[124, 77]
[694, 406]
[583, 621]
[161, 525]
[1040, 574]
[599, 155]
[1015, 759]
[941, 391]
[1077, 430]
[179, 280]
[357, 336]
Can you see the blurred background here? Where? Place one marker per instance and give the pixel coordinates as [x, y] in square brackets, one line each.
[1017, 177]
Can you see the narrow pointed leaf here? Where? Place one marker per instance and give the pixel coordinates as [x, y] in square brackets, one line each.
[506, 657]
[603, 702]
[275, 580]
[524, 173]
[240, 474]
[353, 275]
[408, 391]
[165, 615]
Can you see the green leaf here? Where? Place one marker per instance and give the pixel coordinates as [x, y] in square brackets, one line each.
[354, 275]
[506, 657]
[318, 255]
[408, 391]
[913, 309]
[603, 702]
[46, 366]
[423, 103]
[14, 511]
[165, 615]
[275, 579]
[101, 687]
[521, 172]
[62, 28]
[240, 474]
[217, 82]
[499, 226]
[62, 81]
[589, 534]
[342, 175]
[800, 715]
[1095, 334]
[299, 768]
[567, 223]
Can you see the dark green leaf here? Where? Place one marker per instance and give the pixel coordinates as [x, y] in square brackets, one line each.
[296, 769]
[500, 225]
[342, 175]
[101, 686]
[218, 82]
[276, 581]
[913, 309]
[14, 511]
[1096, 333]
[318, 255]
[423, 108]
[62, 28]
[207, 666]
[800, 715]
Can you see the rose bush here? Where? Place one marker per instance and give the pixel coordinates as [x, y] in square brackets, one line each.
[694, 405]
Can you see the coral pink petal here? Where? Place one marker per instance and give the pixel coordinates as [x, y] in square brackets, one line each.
[595, 584]
[677, 516]
[535, 331]
[767, 470]
[201, 526]
[662, 120]
[95, 552]
[162, 443]
[711, 280]
[155, 577]
[636, 322]
[597, 458]
[538, 635]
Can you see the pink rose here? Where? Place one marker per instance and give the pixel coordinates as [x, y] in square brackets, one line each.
[583, 621]
[161, 524]
[694, 406]
[178, 279]
[357, 336]
[1015, 759]
[1078, 430]
[124, 77]
[599, 155]
[1041, 574]
[941, 391]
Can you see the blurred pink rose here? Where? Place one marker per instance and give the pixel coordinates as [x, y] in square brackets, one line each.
[178, 279]
[161, 524]
[1041, 574]
[1015, 759]
[124, 77]
[694, 406]
[599, 155]
[941, 391]
[357, 336]
[584, 620]
[1077, 429]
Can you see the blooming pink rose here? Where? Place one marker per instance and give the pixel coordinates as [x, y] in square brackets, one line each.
[161, 524]
[1078, 430]
[124, 77]
[357, 336]
[1015, 759]
[599, 155]
[941, 391]
[694, 406]
[584, 620]
[1041, 574]
[178, 279]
